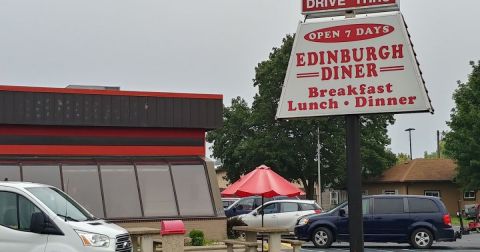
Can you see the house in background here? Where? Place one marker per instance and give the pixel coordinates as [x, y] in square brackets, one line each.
[430, 177]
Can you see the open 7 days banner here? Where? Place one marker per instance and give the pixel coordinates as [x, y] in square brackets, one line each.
[353, 66]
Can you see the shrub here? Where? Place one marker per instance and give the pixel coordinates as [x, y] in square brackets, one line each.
[231, 222]
[198, 239]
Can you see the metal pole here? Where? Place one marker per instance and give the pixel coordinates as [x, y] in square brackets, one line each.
[354, 183]
[410, 140]
[319, 189]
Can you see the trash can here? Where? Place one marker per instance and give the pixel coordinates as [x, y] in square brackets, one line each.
[172, 232]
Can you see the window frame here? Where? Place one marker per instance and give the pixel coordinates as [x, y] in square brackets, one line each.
[470, 198]
[171, 161]
[432, 191]
[389, 192]
[17, 205]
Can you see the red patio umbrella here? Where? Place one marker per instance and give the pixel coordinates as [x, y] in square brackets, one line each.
[262, 181]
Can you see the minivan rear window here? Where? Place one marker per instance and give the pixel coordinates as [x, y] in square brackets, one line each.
[417, 205]
[388, 206]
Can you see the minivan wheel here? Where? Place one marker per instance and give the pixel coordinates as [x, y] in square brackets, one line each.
[421, 238]
[322, 237]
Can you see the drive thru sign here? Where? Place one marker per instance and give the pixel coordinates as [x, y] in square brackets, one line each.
[353, 66]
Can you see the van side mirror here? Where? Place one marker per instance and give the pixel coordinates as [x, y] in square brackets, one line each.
[37, 222]
[255, 213]
[341, 212]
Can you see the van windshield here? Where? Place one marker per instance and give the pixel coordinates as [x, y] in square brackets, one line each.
[60, 203]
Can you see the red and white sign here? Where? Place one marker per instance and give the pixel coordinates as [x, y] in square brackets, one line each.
[353, 66]
[338, 7]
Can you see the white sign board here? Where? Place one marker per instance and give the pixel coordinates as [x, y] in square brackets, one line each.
[353, 66]
[327, 8]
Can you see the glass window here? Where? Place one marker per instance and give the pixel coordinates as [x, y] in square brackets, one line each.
[60, 203]
[417, 205]
[289, 207]
[390, 192]
[433, 193]
[156, 190]
[470, 195]
[388, 206]
[16, 211]
[8, 210]
[43, 174]
[9, 172]
[306, 207]
[83, 184]
[246, 204]
[366, 206]
[334, 198]
[271, 208]
[120, 191]
[25, 211]
[192, 190]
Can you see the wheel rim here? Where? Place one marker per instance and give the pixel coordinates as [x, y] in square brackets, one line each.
[321, 237]
[422, 239]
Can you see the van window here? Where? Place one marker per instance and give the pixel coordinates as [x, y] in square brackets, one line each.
[388, 206]
[417, 205]
[16, 211]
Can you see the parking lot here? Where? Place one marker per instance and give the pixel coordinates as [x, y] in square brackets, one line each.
[469, 242]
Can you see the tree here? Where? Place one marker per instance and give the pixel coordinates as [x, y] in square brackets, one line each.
[402, 158]
[463, 141]
[290, 146]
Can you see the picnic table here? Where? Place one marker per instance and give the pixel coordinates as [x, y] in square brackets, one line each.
[142, 237]
[274, 235]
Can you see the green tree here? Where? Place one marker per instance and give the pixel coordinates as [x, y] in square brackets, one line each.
[290, 146]
[463, 141]
[402, 158]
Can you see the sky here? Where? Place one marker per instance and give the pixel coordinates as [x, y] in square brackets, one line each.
[212, 46]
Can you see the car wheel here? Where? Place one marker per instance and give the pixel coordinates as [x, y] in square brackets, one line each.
[421, 238]
[322, 237]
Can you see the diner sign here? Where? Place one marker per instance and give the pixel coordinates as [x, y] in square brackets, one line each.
[322, 8]
[353, 66]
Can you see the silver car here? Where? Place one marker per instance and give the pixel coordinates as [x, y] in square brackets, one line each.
[280, 213]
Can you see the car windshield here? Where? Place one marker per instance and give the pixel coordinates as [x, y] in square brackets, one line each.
[61, 204]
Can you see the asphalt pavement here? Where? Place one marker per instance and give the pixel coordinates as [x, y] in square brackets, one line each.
[469, 242]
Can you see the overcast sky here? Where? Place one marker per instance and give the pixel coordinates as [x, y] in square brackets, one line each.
[212, 46]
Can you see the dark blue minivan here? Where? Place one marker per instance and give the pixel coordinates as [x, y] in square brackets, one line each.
[418, 220]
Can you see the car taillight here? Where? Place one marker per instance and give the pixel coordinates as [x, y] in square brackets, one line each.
[318, 210]
[447, 220]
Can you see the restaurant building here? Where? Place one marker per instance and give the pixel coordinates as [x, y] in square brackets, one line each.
[134, 158]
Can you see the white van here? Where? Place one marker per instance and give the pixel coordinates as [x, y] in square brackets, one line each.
[41, 218]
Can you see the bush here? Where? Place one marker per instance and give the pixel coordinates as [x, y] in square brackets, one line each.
[231, 222]
[198, 239]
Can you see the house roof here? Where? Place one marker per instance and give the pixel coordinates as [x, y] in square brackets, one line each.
[420, 170]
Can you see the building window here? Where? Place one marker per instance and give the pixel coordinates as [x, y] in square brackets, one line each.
[42, 174]
[157, 190]
[364, 192]
[83, 184]
[9, 172]
[390, 192]
[333, 198]
[120, 191]
[193, 195]
[470, 195]
[433, 193]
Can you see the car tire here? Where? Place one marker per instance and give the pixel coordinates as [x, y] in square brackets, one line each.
[322, 237]
[421, 238]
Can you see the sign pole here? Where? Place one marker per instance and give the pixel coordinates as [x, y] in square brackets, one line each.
[354, 183]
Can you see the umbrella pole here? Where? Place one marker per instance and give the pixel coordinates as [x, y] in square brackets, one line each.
[263, 212]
